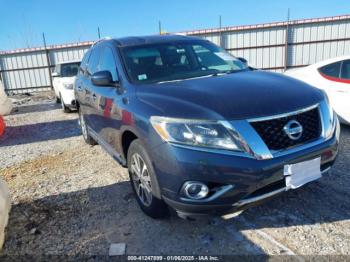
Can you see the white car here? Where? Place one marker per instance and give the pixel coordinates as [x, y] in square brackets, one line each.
[5, 102]
[63, 84]
[5, 207]
[332, 76]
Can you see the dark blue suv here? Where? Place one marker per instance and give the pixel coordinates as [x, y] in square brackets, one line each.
[199, 130]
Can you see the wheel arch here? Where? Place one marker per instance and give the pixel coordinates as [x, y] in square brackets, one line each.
[126, 139]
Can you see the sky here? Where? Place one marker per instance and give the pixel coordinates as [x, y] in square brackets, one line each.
[22, 22]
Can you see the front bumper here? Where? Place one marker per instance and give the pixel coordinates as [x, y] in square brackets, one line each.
[68, 97]
[251, 181]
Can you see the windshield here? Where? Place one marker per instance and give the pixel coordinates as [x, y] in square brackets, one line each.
[71, 69]
[176, 61]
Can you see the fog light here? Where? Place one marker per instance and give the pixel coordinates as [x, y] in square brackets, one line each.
[195, 190]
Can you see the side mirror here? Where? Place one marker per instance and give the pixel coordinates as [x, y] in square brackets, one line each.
[243, 60]
[55, 74]
[103, 78]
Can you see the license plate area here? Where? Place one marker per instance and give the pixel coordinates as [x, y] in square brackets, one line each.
[297, 175]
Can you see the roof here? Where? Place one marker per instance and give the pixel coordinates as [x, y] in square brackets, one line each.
[152, 39]
[68, 62]
[330, 61]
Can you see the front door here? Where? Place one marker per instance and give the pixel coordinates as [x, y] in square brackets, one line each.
[107, 108]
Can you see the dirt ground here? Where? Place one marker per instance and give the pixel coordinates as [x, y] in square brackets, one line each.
[69, 198]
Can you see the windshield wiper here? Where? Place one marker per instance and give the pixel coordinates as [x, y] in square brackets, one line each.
[227, 72]
[235, 71]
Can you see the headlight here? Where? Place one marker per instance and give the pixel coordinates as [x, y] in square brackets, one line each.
[330, 108]
[194, 132]
[329, 117]
[68, 86]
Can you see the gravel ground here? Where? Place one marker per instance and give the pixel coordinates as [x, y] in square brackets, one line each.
[70, 198]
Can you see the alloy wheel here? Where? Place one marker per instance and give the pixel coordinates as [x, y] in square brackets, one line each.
[141, 179]
[83, 126]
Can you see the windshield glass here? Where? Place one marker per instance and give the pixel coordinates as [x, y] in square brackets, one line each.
[68, 70]
[176, 61]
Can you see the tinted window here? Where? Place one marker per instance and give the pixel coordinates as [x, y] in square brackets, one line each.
[93, 61]
[85, 60]
[176, 61]
[107, 62]
[68, 70]
[345, 72]
[332, 70]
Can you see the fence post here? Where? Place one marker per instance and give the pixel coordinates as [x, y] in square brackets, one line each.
[48, 60]
[220, 33]
[286, 44]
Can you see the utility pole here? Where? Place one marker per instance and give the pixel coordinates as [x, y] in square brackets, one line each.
[286, 42]
[160, 27]
[98, 32]
[220, 34]
[48, 60]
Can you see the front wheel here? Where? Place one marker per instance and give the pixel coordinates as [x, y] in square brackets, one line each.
[84, 130]
[144, 182]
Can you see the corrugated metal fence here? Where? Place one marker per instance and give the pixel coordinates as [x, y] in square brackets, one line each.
[278, 46]
[272, 46]
[29, 70]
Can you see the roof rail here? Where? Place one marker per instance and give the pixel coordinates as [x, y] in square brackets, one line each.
[102, 39]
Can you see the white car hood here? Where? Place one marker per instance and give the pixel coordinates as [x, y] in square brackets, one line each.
[68, 80]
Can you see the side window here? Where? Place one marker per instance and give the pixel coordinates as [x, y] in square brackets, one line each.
[93, 61]
[84, 62]
[107, 62]
[332, 70]
[345, 71]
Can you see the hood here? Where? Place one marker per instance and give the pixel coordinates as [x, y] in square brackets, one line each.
[68, 80]
[234, 96]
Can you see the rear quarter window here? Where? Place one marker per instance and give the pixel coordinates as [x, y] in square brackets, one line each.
[345, 74]
[84, 62]
[332, 70]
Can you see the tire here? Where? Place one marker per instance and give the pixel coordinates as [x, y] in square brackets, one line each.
[144, 182]
[65, 108]
[84, 130]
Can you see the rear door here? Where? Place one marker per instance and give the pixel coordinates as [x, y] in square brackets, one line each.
[108, 100]
[338, 86]
[90, 101]
[80, 84]
[343, 92]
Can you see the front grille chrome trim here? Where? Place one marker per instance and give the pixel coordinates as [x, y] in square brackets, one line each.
[250, 140]
[266, 118]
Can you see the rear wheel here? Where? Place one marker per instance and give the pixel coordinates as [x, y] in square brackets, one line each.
[84, 130]
[144, 182]
[65, 108]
